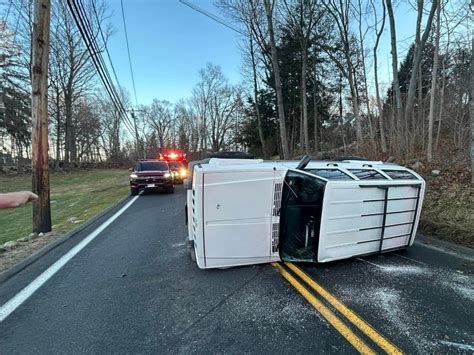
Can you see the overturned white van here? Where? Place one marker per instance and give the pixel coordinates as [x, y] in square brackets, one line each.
[243, 212]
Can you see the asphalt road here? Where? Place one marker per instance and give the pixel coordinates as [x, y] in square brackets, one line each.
[134, 289]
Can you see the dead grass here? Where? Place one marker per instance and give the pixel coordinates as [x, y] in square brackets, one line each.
[75, 197]
[448, 210]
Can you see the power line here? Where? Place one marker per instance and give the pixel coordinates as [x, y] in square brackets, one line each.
[211, 16]
[77, 13]
[103, 68]
[97, 58]
[128, 51]
[105, 44]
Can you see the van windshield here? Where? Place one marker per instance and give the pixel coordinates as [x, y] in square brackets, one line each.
[300, 216]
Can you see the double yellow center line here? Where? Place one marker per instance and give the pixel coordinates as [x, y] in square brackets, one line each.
[356, 341]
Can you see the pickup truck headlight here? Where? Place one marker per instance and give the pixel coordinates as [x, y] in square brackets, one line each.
[167, 175]
[133, 176]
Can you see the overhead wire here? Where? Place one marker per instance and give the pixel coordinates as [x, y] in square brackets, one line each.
[211, 16]
[105, 44]
[103, 65]
[128, 51]
[92, 47]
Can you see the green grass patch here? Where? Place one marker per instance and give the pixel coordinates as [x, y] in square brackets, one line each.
[75, 197]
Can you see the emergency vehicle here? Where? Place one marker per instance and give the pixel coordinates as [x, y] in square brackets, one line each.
[176, 159]
[243, 212]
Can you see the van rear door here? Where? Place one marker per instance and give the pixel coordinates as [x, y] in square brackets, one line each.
[364, 217]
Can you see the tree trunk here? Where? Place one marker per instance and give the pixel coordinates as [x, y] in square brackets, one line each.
[68, 129]
[39, 113]
[355, 106]
[364, 77]
[304, 102]
[315, 118]
[471, 106]
[396, 84]
[383, 142]
[417, 60]
[255, 99]
[278, 87]
[58, 131]
[441, 102]
[434, 76]
[421, 109]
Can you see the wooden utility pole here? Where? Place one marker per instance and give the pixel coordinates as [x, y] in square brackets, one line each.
[39, 116]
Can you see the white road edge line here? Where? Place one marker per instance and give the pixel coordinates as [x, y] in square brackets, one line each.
[10, 306]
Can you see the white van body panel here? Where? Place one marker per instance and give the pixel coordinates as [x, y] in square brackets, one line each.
[353, 217]
[234, 211]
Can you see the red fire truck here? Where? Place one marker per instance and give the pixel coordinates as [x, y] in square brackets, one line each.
[176, 159]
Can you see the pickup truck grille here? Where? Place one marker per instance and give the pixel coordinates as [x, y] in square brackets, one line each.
[151, 179]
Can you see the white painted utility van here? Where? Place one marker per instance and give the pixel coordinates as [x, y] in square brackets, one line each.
[243, 212]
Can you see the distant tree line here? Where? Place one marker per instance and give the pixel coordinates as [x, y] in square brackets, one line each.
[316, 76]
[313, 82]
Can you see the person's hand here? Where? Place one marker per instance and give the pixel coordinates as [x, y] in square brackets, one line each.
[16, 199]
[31, 197]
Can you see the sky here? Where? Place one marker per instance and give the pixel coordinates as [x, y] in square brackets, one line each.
[170, 43]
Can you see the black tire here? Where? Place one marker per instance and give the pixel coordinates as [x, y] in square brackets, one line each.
[170, 190]
[133, 191]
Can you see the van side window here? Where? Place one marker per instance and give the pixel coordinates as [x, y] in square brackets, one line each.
[367, 174]
[400, 175]
[330, 174]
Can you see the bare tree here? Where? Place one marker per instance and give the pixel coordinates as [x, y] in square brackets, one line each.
[255, 96]
[434, 76]
[302, 18]
[340, 12]
[396, 83]
[378, 34]
[269, 7]
[160, 118]
[419, 47]
[471, 102]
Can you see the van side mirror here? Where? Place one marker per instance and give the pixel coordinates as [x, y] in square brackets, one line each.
[130, 169]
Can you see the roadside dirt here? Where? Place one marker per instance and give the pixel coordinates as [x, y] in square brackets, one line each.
[8, 258]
